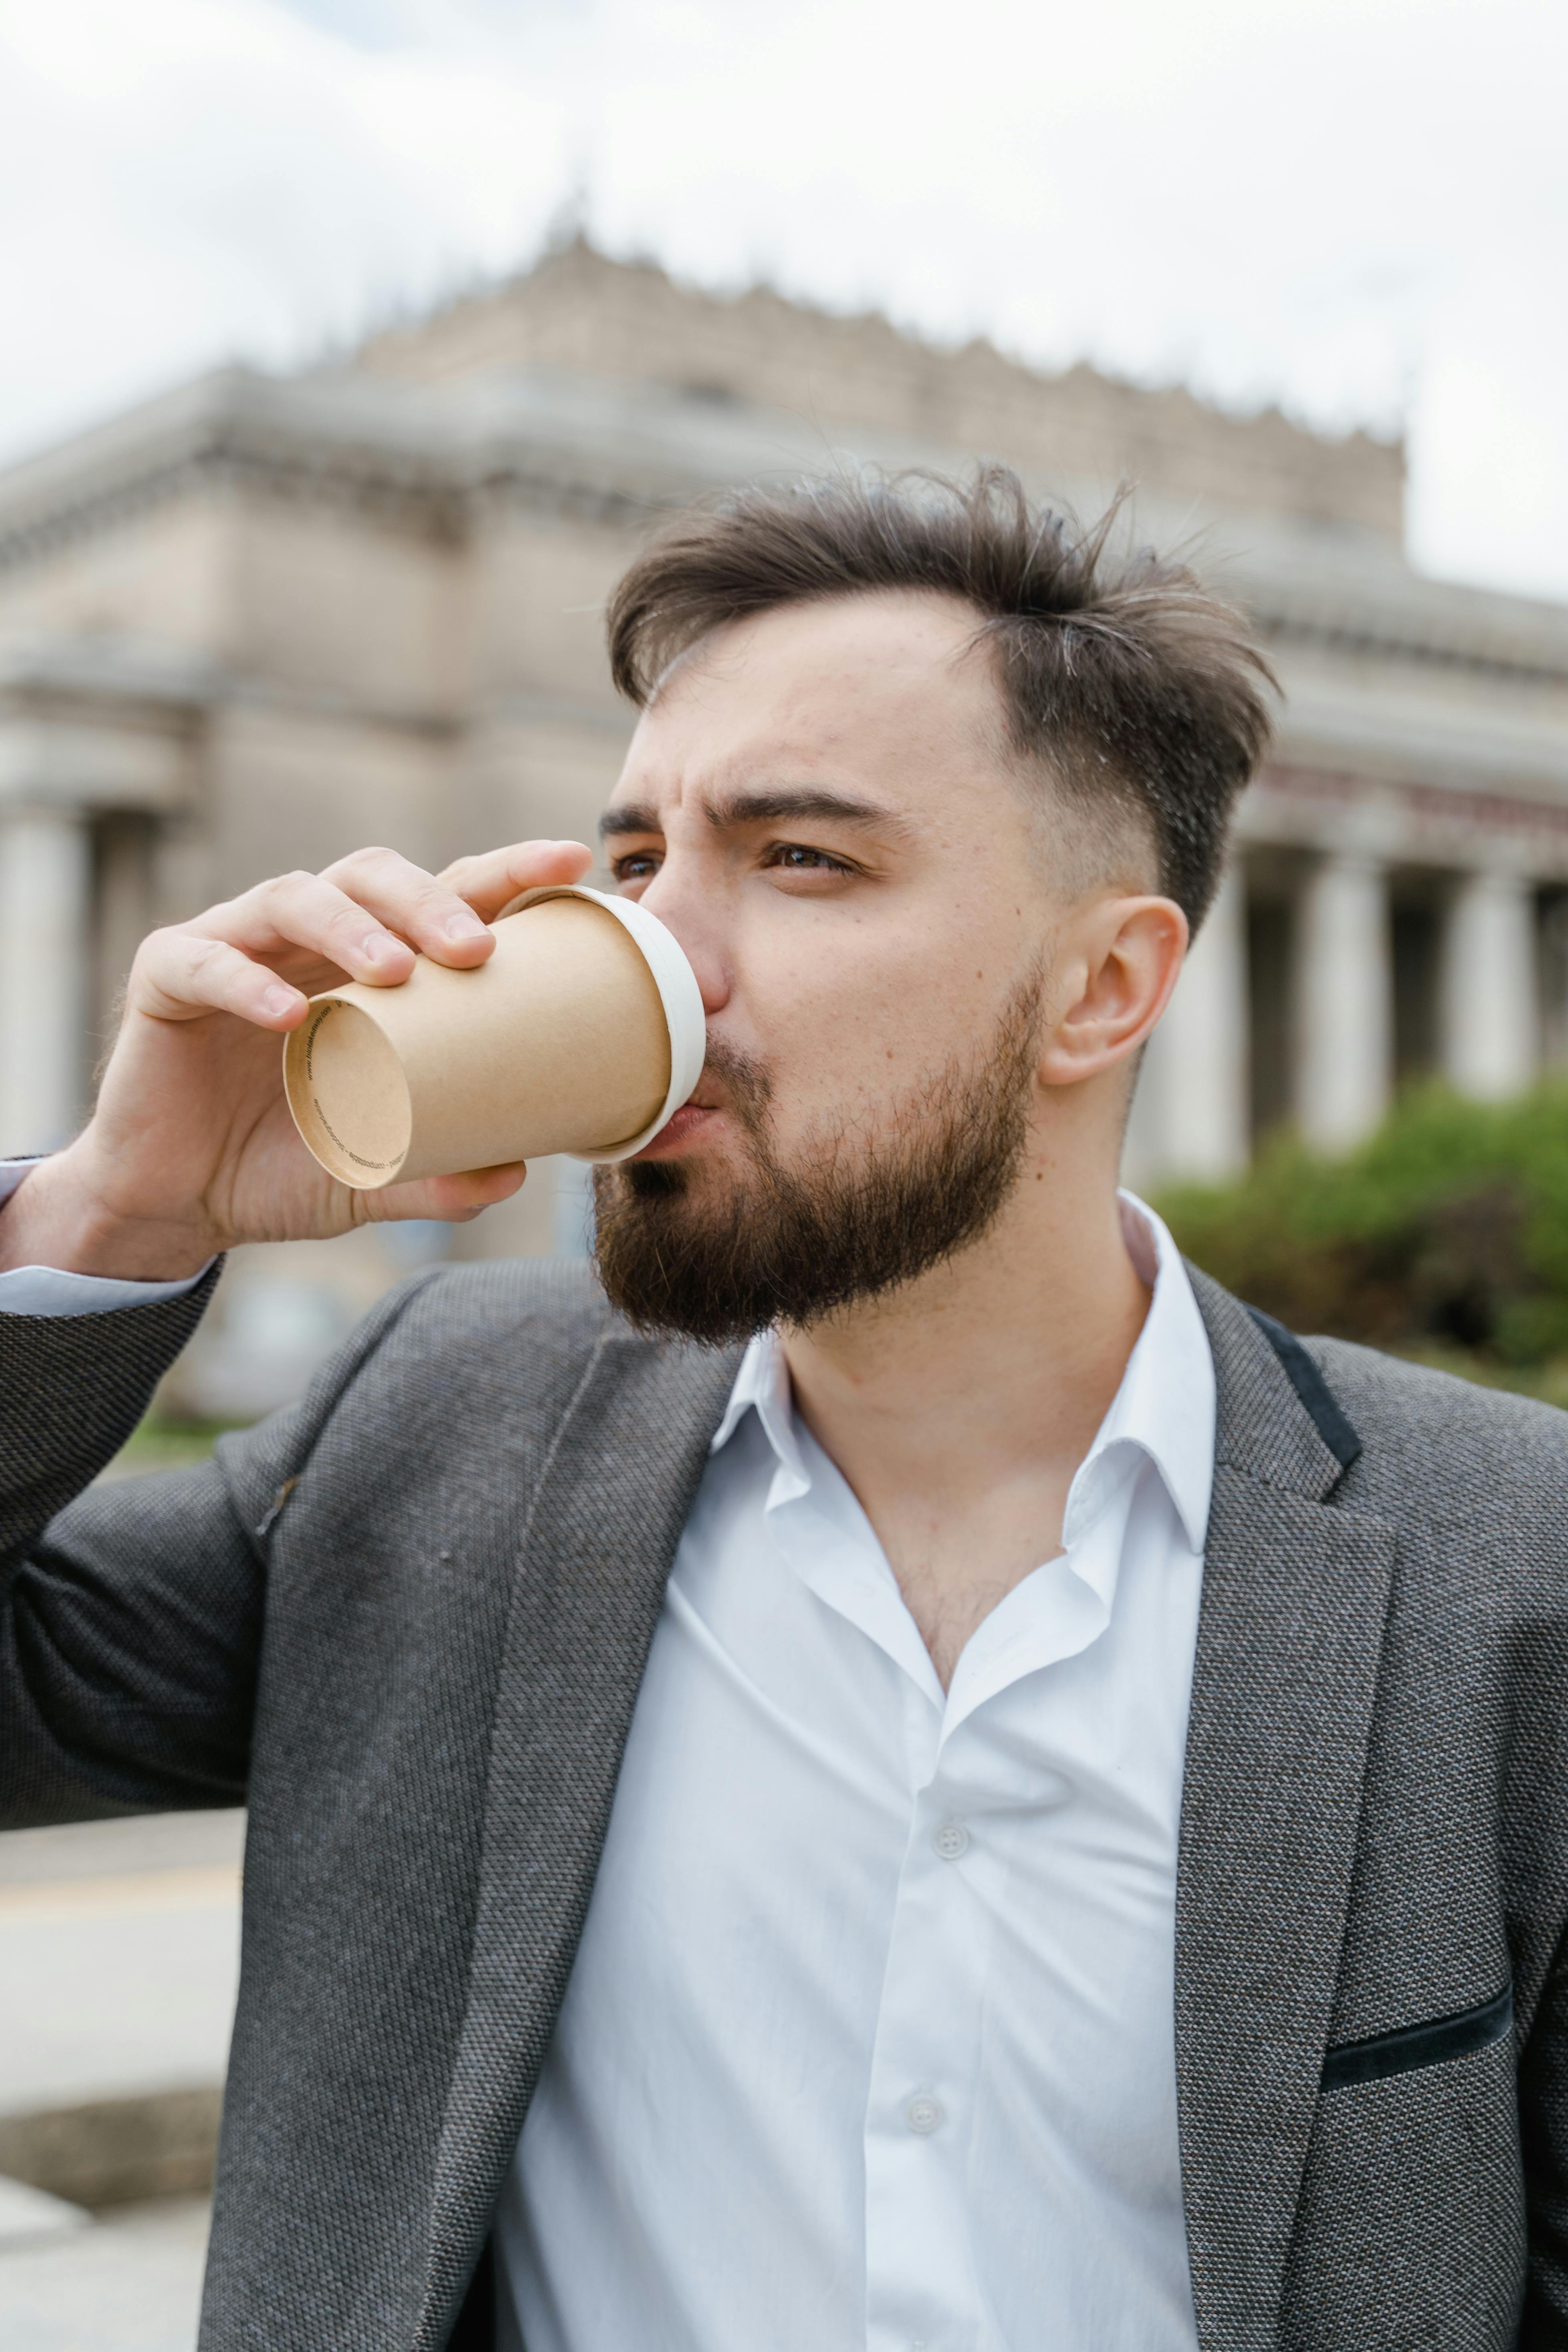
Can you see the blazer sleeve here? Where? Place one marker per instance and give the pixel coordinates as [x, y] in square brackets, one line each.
[130, 1616]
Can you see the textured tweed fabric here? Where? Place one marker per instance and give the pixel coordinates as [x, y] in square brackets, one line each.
[406, 1623]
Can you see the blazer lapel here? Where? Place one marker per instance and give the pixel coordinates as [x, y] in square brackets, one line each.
[1295, 1593]
[597, 1551]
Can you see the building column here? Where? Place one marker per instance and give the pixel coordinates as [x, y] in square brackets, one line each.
[1344, 994]
[1489, 1011]
[1191, 1120]
[45, 879]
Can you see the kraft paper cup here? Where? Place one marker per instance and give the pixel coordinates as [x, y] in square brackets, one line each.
[583, 1034]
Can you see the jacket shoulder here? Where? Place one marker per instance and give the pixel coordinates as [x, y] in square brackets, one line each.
[493, 1321]
[470, 1370]
[555, 1297]
[1444, 1446]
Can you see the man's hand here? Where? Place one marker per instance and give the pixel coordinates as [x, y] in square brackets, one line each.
[191, 1146]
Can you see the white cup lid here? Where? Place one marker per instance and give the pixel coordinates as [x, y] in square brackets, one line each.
[678, 991]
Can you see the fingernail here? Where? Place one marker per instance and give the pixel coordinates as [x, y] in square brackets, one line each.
[463, 927]
[279, 1000]
[376, 946]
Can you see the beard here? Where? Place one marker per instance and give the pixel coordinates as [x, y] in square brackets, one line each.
[716, 1256]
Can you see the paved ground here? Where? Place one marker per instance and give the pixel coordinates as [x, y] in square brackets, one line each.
[130, 2283]
[118, 1957]
[119, 1953]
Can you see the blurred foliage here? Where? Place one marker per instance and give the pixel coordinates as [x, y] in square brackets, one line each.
[161, 1442]
[1445, 1235]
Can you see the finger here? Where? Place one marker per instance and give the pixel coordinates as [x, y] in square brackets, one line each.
[306, 910]
[178, 975]
[452, 1199]
[418, 906]
[488, 881]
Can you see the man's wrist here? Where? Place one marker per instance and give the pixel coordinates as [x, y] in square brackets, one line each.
[56, 1217]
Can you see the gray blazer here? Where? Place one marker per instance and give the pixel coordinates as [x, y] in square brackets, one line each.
[407, 1620]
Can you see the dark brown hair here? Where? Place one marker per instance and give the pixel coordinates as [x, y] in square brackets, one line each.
[1142, 692]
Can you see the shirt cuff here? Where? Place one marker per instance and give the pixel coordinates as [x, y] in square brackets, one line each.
[50, 1290]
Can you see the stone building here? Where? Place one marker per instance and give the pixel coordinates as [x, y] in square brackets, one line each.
[257, 621]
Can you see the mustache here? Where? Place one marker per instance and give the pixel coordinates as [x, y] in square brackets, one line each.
[745, 1079]
[744, 1084]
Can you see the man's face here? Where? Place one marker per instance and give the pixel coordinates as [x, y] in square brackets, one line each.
[819, 805]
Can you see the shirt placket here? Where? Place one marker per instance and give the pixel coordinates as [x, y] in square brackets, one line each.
[920, 2278]
[921, 2287]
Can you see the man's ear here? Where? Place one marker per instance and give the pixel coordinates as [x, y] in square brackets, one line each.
[1122, 959]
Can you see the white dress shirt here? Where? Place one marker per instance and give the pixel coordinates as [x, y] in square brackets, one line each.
[868, 2046]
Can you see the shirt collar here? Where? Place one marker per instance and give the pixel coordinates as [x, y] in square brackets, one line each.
[1164, 1408]
[762, 1386]
[1166, 1403]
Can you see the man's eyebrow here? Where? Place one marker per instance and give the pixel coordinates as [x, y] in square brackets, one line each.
[803, 807]
[776, 806]
[630, 816]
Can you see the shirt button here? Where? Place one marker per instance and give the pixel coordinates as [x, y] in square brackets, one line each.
[950, 1839]
[925, 2114]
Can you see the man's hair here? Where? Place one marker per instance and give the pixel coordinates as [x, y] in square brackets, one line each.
[1142, 693]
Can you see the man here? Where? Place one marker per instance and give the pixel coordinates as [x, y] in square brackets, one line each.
[917, 1776]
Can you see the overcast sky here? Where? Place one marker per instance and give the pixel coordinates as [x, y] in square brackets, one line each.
[1356, 207]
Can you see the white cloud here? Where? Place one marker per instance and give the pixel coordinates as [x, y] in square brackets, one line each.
[198, 177]
[1349, 207]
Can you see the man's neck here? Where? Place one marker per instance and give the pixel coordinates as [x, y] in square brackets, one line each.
[960, 1408]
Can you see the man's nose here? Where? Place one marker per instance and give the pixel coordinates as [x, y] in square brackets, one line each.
[683, 908]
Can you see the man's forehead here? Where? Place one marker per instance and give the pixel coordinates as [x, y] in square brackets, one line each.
[863, 684]
[898, 640]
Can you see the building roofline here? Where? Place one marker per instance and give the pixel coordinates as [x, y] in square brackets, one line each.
[577, 306]
[422, 456]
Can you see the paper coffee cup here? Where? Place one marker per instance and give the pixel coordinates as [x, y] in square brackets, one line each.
[583, 1033]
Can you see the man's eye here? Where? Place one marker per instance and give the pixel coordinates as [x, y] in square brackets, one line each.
[637, 866]
[794, 858]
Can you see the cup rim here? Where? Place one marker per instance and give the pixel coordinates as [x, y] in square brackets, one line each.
[678, 993]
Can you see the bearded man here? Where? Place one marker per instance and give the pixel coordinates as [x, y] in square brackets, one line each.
[901, 1771]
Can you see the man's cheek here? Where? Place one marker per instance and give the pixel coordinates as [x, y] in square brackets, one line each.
[838, 1101]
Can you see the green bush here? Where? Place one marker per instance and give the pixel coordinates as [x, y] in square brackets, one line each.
[1449, 1227]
